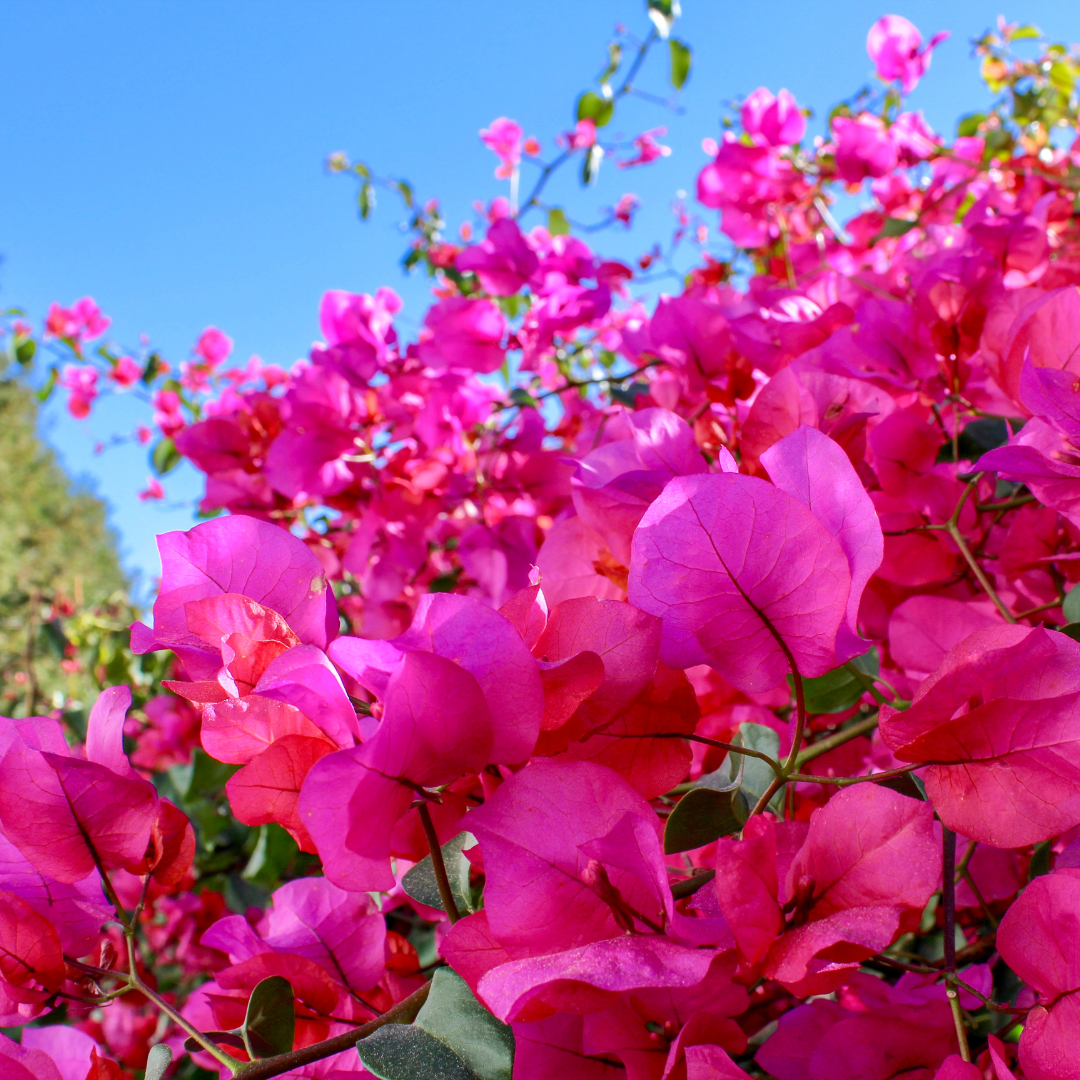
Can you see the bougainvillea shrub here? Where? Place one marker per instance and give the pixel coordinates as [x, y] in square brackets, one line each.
[596, 683]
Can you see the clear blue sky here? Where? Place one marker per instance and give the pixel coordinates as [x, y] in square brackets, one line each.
[165, 156]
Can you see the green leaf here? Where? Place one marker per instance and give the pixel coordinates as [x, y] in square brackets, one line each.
[662, 14]
[453, 1038]
[557, 223]
[165, 457]
[709, 811]
[202, 776]
[1072, 630]
[25, 350]
[1040, 860]
[969, 125]
[366, 200]
[420, 881]
[157, 1061]
[680, 62]
[270, 1023]
[221, 1038]
[839, 689]
[1063, 76]
[590, 168]
[50, 384]
[897, 227]
[591, 106]
[757, 774]
[445, 582]
[1022, 32]
[1071, 608]
[151, 368]
[520, 396]
[274, 851]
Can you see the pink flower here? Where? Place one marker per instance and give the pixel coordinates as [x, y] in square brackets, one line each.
[143, 434]
[503, 138]
[893, 44]
[863, 148]
[126, 372]
[774, 120]
[213, 346]
[584, 134]
[81, 322]
[167, 413]
[625, 208]
[81, 381]
[154, 491]
[648, 149]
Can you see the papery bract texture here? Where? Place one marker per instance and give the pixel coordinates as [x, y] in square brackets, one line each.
[744, 578]
[1039, 939]
[1000, 722]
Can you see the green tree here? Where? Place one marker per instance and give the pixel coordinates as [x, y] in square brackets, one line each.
[64, 607]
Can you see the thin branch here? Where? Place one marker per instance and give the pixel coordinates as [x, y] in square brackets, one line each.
[441, 878]
[627, 86]
[796, 741]
[682, 889]
[402, 1013]
[831, 742]
[953, 527]
[730, 747]
[847, 781]
[219, 1055]
[948, 875]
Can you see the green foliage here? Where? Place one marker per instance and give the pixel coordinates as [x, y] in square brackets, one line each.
[841, 688]
[704, 815]
[64, 611]
[453, 1038]
[270, 1023]
[757, 775]
[420, 881]
[157, 1061]
[594, 107]
[680, 62]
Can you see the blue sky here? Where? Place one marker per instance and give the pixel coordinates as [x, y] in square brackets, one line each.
[166, 157]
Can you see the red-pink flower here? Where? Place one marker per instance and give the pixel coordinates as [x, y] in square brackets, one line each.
[167, 413]
[213, 346]
[503, 139]
[81, 381]
[153, 490]
[893, 44]
[625, 207]
[126, 371]
[81, 322]
[648, 149]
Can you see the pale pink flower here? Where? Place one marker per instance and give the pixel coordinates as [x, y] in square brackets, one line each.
[503, 138]
[153, 491]
[648, 149]
[893, 44]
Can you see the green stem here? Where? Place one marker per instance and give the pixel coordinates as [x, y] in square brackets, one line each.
[215, 1051]
[948, 881]
[441, 877]
[831, 742]
[730, 747]
[847, 781]
[690, 885]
